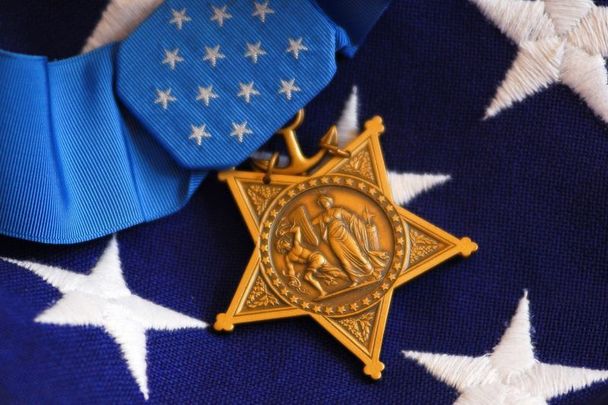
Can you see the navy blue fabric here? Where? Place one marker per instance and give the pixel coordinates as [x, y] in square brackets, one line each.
[529, 186]
[356, 17]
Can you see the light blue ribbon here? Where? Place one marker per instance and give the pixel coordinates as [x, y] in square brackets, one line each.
[86, 149]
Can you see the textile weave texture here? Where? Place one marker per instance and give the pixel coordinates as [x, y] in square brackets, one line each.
[529, 186]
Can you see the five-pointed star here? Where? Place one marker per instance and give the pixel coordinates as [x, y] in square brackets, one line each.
[213, 54]
[254, 51]
[220, 14]
[405, 186]
[198, 133]
[510, 374]
[261, 9]
[559, 42]
[288, 87]
[172, 58]
[205, 94]
[295, 47]
[240, 130]
[357, 322]
[164, 98]
[102, 299]
[247, 91]
[179, 18]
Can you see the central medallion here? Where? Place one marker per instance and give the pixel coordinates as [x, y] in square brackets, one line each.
[332, 245]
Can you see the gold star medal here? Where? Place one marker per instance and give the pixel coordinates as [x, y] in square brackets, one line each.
[330, 242]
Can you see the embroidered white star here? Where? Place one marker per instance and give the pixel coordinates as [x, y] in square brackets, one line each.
[220, 14]
[205, 94]
[510, 374]
[247, 91]
[288, 87]
[164, 98]
[198, 133]
[102, 299]
[261, 9]
[179, 18]
[405, 186]
[240, 130]
[559, 42]
[213, 54]
[172, 58]
[254, 51]
[295, 47]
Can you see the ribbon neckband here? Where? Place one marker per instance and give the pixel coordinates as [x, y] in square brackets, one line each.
[125, 134]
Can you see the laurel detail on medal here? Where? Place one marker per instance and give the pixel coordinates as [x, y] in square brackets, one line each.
[330, 241]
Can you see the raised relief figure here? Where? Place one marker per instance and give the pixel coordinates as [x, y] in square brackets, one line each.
[347, 235]
[352, 241]
[317, 267]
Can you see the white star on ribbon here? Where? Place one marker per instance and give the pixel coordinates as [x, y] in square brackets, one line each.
[179, 18]
[261, 9]
[247, 91]
[254, 51]
[213, 54]
[560, 41]
[405, 186]
[172, 58]
[240, 130]
[295, 47]
[288, 87]
[102, 299]
[198, 133]
[164, 98]
[205, 94]
[220, 14]
[510, 374]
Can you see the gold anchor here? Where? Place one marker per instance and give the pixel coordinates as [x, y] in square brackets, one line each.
[298, 162]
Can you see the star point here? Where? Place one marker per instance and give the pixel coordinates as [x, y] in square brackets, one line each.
[261, 9]
[172, 58]
[164, 98]
[220, 15]
[179, 18]
[102, 299]
[247, 91]
[240, 130]
[213, 54]
[510, 371]
[557, 44]
[288, 87]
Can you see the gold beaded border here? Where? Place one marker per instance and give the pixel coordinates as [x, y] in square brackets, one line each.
[364, 187]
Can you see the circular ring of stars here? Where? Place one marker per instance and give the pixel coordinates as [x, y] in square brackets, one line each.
[398, 254]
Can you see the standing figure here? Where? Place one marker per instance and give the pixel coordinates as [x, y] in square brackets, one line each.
[346, 235]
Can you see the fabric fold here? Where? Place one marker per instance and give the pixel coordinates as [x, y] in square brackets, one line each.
[125, 134]
[75, 166]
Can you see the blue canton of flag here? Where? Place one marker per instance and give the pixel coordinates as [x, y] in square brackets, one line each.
[495, 114]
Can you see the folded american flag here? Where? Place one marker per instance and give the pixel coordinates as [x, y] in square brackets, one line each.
[496, 128]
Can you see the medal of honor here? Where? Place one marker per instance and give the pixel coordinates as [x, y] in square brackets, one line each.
[330, 242]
